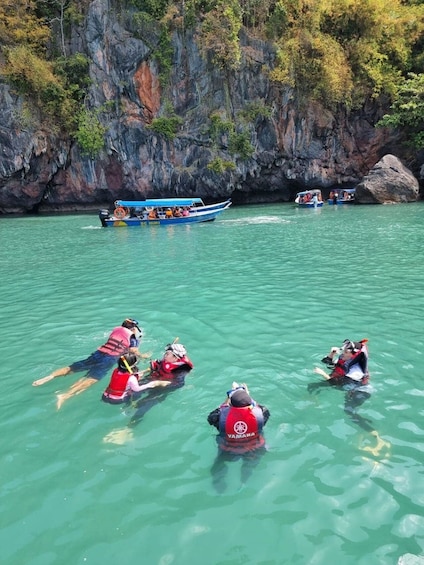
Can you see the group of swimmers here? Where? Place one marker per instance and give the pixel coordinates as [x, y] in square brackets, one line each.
[127, 382]
[240, 419]
[121, 349]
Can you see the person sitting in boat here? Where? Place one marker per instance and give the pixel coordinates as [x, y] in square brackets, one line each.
[153, 214]
[240, 421]
[186, 211]
[124, 385]
[174, 359]
[177, 212]
[168, 213]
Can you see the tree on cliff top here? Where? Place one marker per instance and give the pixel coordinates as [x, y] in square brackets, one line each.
[345, 50]
[20, 25]
[55, 88]
[219, 34]
[407, 111]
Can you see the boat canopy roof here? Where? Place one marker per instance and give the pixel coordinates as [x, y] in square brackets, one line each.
[159, 202]
[313, 191]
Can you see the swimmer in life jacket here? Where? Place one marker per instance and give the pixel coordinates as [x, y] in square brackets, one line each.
[349, 372]
[351, 362]
[124, 385]
[174, 359]
[123, 339]
[240, 421]
[170, 371]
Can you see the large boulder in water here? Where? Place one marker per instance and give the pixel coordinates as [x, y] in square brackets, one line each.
[389, 181]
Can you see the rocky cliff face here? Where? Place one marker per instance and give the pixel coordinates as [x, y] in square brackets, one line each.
[295, 146]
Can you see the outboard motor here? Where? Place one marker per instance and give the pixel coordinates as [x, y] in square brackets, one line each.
[104, 215]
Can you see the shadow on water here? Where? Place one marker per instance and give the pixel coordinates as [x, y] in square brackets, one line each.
[219, 468]
[155, 396]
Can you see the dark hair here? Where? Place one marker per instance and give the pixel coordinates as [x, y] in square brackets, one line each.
[240, 398]
[128, 360]
[129, 323]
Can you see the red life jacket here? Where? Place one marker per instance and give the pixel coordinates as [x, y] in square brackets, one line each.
[241, 428]
[162, 370]
[118, 384]
[339, 371]
[342, 367]
[118, 342]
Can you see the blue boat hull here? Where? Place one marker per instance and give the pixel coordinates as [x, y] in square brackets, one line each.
[331, 202]
[311, 205]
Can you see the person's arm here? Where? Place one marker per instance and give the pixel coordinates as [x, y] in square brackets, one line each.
[213, 418]
[333, 379]
[321, 372]
[140, 355]
[135, 387]
[266, 413]
[144, 355]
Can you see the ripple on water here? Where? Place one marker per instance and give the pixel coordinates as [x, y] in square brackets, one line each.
[258, 297]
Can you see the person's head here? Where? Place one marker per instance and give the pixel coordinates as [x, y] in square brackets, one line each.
[347, 354]
[131, 324]
[239, 397]
[174, 352]
[350, 345]
[127, 362]
[349, 349]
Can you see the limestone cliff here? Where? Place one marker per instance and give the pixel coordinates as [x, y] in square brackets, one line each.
[295, 146]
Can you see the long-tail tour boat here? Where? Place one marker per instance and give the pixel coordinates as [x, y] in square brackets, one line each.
[161, 211]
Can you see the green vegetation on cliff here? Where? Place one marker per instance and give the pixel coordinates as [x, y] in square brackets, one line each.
[408, 110]
[55, 84]
[333, 51]
[346, 50]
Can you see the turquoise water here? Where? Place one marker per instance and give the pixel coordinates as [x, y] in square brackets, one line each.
[258, 296]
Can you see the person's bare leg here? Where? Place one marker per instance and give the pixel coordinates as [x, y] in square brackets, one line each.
[58, 373]
[77, 388]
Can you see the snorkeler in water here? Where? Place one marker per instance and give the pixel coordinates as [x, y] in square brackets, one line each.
[349, 372]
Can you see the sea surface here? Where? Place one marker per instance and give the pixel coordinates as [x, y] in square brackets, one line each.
[258, 296]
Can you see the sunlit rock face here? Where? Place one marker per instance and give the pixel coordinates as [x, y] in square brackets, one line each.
[388, 182]
[295, 146]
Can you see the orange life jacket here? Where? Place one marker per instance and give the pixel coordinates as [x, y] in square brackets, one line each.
[118, 342]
